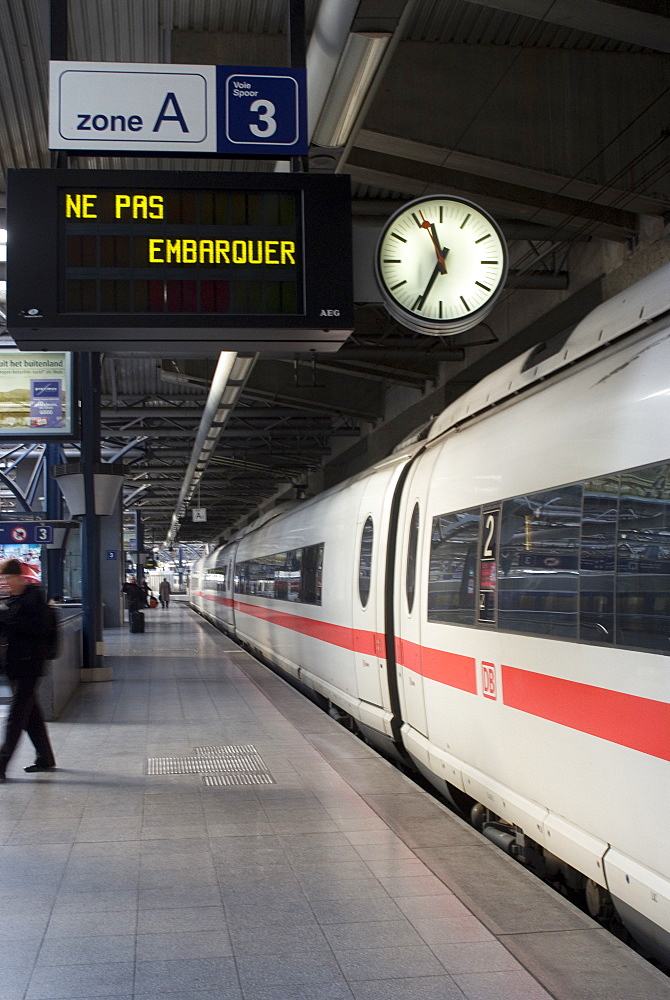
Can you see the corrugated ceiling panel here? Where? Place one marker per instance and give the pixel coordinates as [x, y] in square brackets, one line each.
[261, 17]
[141, 377]
[122, 31]
[23, 86]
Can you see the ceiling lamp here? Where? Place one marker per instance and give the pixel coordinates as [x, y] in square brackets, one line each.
[355, 72]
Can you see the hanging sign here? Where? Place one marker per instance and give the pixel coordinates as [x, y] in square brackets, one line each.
[199, 513]
[28, 532]
[135, 259]
[156, 107]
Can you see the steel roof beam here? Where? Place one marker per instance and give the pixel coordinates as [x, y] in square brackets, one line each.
[599, 17]
[500, 170]
[382, 169]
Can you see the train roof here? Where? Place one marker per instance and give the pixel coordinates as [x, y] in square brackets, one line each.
[630, 310]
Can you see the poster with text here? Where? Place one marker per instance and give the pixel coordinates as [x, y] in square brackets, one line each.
[35, 394]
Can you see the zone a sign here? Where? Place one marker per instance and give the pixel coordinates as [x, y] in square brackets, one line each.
[154, 107]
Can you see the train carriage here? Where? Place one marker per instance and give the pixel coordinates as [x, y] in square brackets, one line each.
[493, 603]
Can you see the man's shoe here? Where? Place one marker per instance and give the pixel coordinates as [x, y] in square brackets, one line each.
[39, 766]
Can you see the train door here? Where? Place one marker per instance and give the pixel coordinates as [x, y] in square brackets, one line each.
[408, 615]
[368, 597]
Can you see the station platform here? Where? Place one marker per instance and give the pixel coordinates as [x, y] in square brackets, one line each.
[210, 834]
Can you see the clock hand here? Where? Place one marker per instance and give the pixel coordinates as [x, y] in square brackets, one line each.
[432, 232]
[438, 269]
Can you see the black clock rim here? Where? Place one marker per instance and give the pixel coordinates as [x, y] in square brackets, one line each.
[438, 325]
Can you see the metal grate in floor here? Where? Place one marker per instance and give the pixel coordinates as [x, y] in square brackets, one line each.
[224, 765]
[214, 780]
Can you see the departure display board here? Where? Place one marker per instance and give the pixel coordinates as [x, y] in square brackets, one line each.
[103, 260]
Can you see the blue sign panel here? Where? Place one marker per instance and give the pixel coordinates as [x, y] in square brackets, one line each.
[26, 533]
[111, 553]
[261, 111]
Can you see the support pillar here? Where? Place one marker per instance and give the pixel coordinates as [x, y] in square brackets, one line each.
[90, 456]
[139, 543]
[54, 512]
[112, 566]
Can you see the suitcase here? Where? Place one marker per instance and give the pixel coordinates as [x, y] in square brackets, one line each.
[137, 621]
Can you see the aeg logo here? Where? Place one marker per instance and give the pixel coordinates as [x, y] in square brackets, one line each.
[329, 312]
[489, 685]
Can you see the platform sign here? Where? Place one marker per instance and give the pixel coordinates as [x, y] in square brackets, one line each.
[137, 260]
[259, 109]
[26, 533]
[156, 107]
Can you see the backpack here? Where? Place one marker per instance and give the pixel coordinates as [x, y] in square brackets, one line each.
[51, 634]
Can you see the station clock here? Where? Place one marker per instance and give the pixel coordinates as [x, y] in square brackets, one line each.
[441, 264]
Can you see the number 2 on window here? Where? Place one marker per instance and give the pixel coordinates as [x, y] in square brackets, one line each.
[489, 540]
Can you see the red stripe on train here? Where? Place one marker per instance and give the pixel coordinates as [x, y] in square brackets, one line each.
[626, 719]
[439, 665]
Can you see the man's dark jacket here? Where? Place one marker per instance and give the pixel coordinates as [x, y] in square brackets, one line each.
[23, 626]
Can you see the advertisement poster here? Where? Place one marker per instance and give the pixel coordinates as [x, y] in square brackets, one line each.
[35, 394]
[28, 555]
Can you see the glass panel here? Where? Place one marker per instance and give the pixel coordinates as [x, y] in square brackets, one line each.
[453, 562]
[412, 546]
[365, 562]
[289, 579]
[538, 571]
[312, 563]
[597, 560]
[643, 559]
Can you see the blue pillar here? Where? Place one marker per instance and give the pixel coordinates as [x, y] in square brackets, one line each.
[139, 542]
[54, 512]
[90, 457]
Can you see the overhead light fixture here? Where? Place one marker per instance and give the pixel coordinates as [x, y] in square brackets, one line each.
[355, 72]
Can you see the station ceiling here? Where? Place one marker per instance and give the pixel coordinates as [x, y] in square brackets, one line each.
[550, 114]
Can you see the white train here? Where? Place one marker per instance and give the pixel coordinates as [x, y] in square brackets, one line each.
[493, 601]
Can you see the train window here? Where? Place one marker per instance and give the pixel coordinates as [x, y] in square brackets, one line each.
[538, 571]
[311, 574]
[643, 559]
[597, 560]
[412, 546]
[284, 576]
[453, 564]
[365, 561]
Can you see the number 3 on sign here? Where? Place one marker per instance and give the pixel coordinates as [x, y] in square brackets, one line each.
[266, 112]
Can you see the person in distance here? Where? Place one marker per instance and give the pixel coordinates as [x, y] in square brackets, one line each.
[24, 621]
[164, 592]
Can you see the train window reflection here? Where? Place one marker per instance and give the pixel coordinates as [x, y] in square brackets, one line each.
[453, 564]
[412, 546]
[284, 576]
[597, 560]
[365, 561]
[539, 562]
[643, 559]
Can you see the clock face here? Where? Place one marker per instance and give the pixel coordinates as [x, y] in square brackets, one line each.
[441, 264]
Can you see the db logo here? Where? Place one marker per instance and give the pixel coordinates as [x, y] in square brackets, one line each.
[489, 680]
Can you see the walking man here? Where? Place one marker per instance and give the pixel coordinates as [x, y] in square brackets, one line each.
[24, 622]
[164, 592]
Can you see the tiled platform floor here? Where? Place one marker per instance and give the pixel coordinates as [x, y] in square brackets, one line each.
[342, 880]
